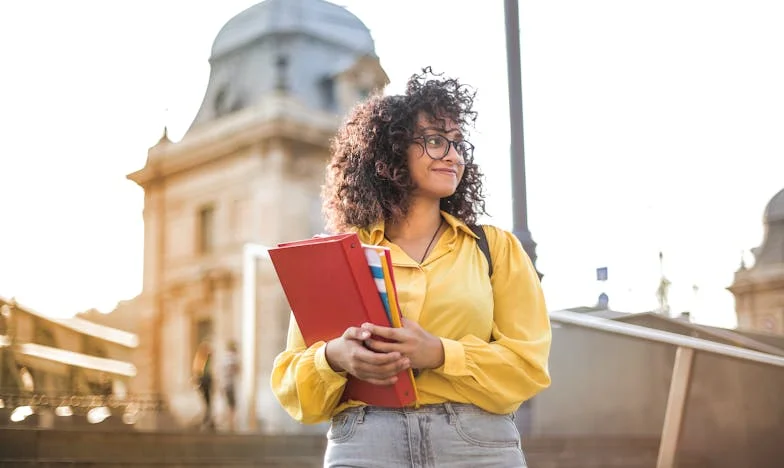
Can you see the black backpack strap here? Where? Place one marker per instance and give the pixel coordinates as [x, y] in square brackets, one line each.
[483, 245]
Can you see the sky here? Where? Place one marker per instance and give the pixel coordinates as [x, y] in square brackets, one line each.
[649, 126]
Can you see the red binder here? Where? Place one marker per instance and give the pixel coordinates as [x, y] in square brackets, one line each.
[329, 287]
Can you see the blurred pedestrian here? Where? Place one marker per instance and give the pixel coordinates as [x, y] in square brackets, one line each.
[231, 370]
[202, 376]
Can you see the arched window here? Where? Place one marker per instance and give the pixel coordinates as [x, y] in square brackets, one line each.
[328, 97]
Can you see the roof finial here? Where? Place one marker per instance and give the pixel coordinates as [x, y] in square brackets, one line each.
[165, 137]
[743, 260]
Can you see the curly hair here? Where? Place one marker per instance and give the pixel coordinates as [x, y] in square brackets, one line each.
[367, 177]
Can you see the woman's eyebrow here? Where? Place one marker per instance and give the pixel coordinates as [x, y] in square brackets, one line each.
[443, 130]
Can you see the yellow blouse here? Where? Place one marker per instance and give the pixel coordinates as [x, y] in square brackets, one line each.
[496, 339]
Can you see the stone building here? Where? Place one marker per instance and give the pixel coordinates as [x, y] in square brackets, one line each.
[759, 290]
[60, 367]
[248, 171]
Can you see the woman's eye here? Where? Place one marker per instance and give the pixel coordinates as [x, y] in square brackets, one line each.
[435, 141]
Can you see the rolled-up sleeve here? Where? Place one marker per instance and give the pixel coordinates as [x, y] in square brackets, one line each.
[501, 374]
[303, 381]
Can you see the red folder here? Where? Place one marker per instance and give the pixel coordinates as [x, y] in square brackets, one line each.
[329, 287]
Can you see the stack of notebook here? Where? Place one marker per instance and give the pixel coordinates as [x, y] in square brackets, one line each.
[336, 282]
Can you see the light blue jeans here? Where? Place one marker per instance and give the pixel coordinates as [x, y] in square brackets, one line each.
[447, 435]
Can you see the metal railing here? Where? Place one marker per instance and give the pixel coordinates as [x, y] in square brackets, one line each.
[651, 334]
[686, 348]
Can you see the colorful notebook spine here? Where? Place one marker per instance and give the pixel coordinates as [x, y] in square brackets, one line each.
[380, 262]
[376, 264]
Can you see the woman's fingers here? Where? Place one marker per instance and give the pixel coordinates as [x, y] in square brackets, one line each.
[383, 370]
[356, 333]
[394, 334]
[367, 356]
[382, 346]
[388, 381]
[367, 364]
[388, 375]
[372, 365]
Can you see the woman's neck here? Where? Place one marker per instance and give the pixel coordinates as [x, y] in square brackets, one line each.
[423, 218]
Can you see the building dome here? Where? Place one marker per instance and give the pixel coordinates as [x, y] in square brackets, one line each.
[317, 18]
[774, 212]
[292, 48]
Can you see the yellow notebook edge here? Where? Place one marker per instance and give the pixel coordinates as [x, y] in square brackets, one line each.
[391, 294]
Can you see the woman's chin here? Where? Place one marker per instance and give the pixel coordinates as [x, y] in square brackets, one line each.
[435, 193]
[446, 192]
[443, 194]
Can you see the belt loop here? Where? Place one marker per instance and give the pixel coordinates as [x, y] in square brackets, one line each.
[361, 415]
[450, 411]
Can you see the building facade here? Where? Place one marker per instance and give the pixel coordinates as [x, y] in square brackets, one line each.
[248, 171]
[62, 367]
[759, 289]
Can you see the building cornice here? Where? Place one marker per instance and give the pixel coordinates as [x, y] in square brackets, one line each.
[758, 279]
[277, 116]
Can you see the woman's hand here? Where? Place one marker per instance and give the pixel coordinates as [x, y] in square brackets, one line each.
[425, 351]
[348, 353]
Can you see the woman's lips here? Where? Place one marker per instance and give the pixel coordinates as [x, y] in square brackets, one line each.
[446, 171]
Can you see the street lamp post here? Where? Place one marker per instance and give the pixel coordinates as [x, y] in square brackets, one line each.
[519, 195]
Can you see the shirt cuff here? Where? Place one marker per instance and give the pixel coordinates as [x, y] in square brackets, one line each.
[323, 368]
[454, 358]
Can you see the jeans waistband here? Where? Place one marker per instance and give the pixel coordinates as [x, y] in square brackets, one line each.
[441, 408]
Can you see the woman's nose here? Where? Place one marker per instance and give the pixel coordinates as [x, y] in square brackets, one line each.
[453, 156]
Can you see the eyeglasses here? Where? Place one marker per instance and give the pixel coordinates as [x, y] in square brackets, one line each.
[437, 147]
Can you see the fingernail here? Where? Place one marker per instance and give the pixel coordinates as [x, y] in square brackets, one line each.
[366, 325]
[364, 334]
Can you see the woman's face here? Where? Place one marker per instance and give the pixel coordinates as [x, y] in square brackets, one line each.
[433, 177]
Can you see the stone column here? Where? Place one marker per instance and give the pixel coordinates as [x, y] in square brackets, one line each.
[219, 296]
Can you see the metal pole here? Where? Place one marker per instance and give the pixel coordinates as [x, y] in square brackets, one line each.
[519, 195]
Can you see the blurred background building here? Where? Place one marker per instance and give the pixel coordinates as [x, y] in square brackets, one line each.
[759, 289]
[62, 367]
[249, 170]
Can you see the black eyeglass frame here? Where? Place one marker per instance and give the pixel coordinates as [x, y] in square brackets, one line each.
[466, 158]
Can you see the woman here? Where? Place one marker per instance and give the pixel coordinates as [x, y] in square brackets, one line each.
[402, 176]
